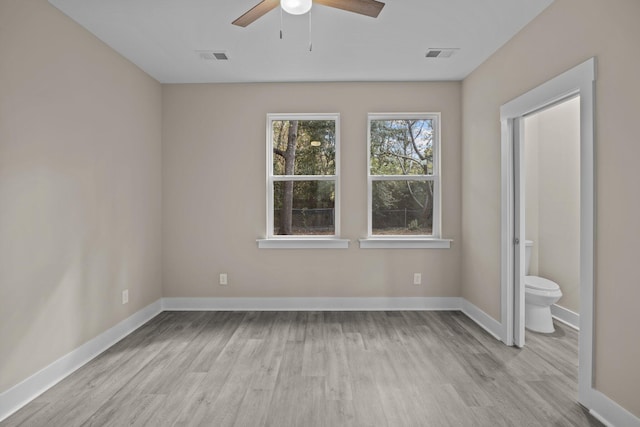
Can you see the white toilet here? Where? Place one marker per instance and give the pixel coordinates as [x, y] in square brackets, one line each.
[539, 294]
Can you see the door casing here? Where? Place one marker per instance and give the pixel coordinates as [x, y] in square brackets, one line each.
[579, 80]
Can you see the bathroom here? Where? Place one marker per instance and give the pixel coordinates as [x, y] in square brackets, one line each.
[552, 212]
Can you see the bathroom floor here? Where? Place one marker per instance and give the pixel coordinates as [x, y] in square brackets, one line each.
[318, 369]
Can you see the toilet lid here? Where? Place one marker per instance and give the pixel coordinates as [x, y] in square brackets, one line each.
[540, 283]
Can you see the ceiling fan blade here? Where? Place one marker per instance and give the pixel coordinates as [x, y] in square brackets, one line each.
[370, 8]
[256, 12]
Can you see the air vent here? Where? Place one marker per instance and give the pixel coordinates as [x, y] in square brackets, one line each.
[212, 55]
[437, 52]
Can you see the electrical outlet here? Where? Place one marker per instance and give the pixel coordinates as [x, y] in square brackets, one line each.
[125, 296]
[417, 278]
[223, 279]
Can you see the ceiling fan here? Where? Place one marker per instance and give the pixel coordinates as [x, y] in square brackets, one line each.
[370, 8]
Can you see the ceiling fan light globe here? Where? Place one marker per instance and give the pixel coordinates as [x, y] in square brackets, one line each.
[296, 7]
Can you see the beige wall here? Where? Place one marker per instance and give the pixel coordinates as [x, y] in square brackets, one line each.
[214, 205]
[80, 150]
[564, 35]
[552, 156]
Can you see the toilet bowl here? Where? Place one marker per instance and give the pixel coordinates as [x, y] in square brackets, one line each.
[539, 295]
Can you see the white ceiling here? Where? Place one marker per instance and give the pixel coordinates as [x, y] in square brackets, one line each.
[161, 37]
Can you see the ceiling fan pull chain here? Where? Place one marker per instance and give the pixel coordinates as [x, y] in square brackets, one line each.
[310, 44]
[281, 23]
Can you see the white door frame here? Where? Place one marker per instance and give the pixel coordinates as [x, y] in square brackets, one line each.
[580, 81]
[519, 237]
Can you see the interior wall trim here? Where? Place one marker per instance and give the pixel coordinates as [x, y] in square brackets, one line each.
[24, 392]
[313, 304]
[483, 320]
[610, 413]
[566, 316]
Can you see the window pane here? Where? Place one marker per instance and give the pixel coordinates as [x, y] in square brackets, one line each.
[402, 147]
[304, 147]
[304, 208]
[402, 207]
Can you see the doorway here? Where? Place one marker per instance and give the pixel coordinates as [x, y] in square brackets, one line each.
[550, 142]
[575, 83]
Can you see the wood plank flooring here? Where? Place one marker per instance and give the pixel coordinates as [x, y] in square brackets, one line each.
[318, 369]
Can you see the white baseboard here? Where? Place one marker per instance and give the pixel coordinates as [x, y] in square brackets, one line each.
[312, 304]
[566, 316]
[609, 412]
[485, 321]
[24, 392]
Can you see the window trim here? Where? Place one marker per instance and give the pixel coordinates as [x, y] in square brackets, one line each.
[433, 240]
[301, 241]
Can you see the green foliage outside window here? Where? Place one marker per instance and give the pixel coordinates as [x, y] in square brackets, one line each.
[402, 148]
[304, 147]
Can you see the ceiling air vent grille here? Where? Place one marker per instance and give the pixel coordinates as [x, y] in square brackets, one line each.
[437, 52]
[212, 55]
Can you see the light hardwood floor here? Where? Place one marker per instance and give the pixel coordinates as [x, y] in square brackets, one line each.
[318, 369]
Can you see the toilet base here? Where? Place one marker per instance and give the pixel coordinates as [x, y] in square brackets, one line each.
[538, 318]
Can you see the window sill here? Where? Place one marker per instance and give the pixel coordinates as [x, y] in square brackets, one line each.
[303, 243]
[404, 243]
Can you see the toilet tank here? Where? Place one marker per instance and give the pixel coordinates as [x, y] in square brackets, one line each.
[528, 245]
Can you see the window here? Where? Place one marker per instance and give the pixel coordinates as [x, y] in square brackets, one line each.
[303, 190]
[404, 178]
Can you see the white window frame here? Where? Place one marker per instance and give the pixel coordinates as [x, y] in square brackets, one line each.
[401, 241]
[301, 241]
